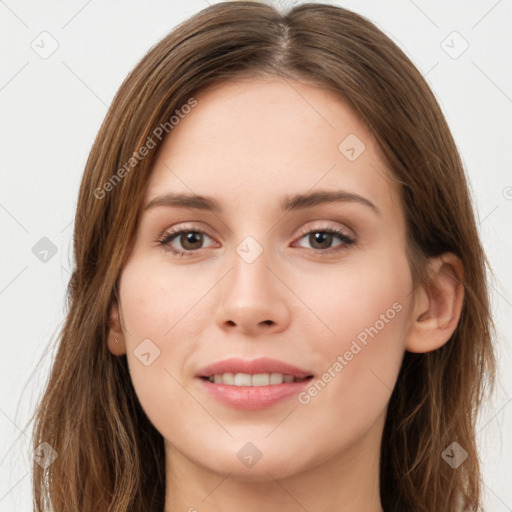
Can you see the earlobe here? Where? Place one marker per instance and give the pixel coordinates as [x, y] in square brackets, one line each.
[116, 343]
[438, 306]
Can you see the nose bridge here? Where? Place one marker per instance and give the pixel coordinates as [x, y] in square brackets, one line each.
[252, 296]
[251, 275]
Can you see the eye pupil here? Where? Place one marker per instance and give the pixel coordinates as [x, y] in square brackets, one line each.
[321, 237]
[191, 237]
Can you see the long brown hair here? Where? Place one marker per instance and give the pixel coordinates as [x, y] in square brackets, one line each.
[110, 457]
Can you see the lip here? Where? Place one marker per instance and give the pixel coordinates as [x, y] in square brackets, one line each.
[260, 365]
[253, 397]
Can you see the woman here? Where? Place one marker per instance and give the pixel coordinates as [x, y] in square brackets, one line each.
[279, 299]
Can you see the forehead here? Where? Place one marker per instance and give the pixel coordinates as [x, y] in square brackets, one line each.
[249, 140]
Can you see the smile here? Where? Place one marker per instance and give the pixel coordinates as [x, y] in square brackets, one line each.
[247, 379]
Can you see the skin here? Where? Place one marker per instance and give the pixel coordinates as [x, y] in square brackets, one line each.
[248, 144]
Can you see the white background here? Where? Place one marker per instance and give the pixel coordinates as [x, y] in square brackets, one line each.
[51, 110]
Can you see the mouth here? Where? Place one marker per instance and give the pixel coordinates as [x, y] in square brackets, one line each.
[257, 379]
[256, 372]
[253, 384]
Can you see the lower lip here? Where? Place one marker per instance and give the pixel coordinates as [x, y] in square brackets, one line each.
[253, 397]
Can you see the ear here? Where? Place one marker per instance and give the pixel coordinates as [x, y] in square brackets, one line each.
[438, 306]
[116, 342]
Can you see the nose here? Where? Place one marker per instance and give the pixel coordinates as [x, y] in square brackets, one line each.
[253, 299]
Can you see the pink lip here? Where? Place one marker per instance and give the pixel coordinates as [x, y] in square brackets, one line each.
[253, 397]
[249, 397]
[261, 365]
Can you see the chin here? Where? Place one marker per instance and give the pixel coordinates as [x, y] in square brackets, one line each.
[244, 462]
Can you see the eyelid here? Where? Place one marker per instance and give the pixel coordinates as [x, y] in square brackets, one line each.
[341, 233]
[323, 226]
[180, 228]
[170, 234]
[304, 230]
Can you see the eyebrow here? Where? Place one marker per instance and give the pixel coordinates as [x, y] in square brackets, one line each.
[288, 203]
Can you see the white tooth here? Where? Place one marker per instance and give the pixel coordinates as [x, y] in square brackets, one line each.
[276, 378]
[260, 379]
[228, 378]
[242, 379]
[246, 379]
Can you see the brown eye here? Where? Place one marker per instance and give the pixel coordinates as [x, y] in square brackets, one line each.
[191, 240]
[320, 239]
[323, 240]
[185, 242]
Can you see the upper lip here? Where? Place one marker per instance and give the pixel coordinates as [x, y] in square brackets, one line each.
[254, 366]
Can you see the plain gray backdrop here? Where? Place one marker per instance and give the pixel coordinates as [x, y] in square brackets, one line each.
[62, 63]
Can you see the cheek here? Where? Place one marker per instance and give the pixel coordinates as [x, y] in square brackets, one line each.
[353, 300]
[157, 302]
[154, 314]
[165, 314]
[367, 314]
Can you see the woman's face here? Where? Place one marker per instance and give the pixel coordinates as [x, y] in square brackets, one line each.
[272, 270]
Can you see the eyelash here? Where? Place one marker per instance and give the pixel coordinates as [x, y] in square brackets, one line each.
[170, 235]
